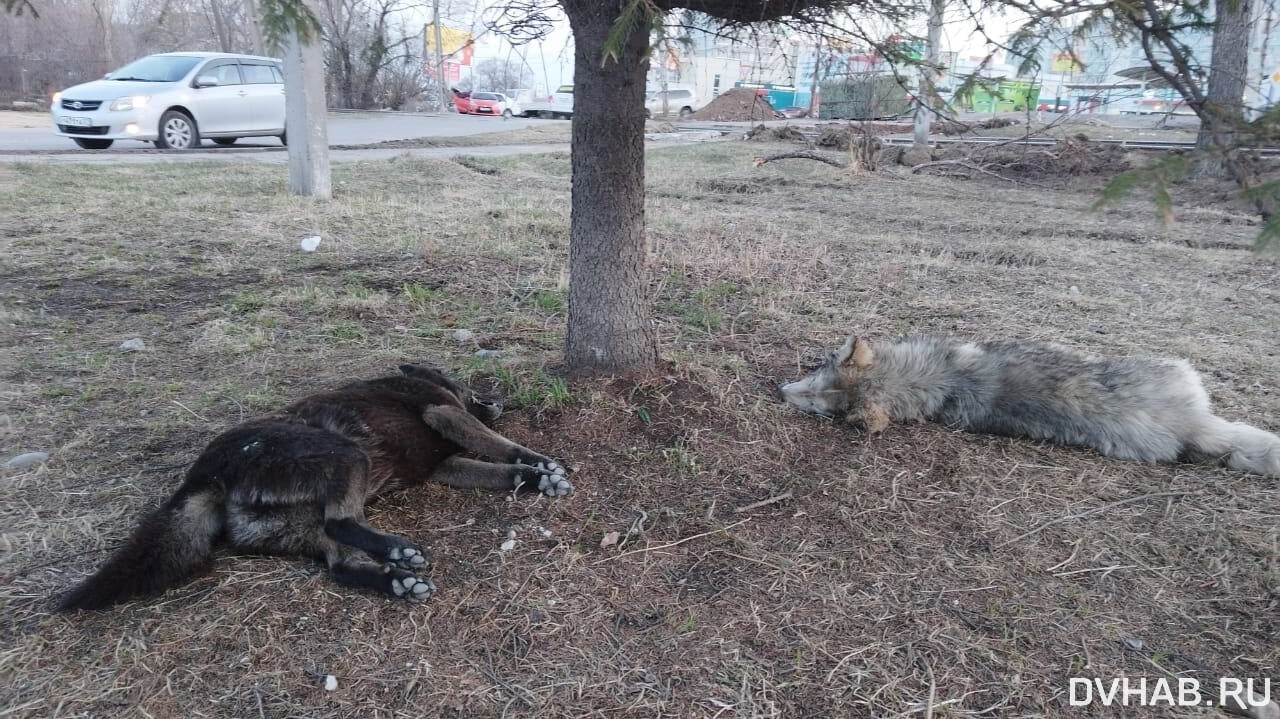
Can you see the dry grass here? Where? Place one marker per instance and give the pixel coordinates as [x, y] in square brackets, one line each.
[922, 573]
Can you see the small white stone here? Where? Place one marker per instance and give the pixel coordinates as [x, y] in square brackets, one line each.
[309, 244]
[483, 353]
[463, 335]
[609, 539]
[330, 681]
[134, 345]
[508, 545]
[1074, 290]
[28, 459]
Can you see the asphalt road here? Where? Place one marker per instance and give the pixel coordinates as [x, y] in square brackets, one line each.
[33, 131]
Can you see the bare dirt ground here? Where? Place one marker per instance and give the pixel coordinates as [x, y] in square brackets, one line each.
[921, 573]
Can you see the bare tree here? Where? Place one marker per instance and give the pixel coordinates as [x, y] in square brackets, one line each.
[360, 43]
[499, 75]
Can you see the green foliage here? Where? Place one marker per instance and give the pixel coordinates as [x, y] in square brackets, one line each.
[280, 17]
[535, 389]
[1158, 177]
[637, 14]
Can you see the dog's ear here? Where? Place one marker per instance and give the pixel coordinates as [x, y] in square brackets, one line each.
[855, 352]
[408, 369]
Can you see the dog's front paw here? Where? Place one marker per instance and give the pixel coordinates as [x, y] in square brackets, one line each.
[408, 557]
[542, 462]
[411, 587]
[542, 479]
[555, 485]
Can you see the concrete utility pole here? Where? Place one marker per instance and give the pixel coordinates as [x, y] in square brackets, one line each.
[813, 87]
[306, 119]
[443, 98]
[928, 92]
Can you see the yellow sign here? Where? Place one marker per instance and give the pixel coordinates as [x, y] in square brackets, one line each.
[457, 43]
[1063, 62]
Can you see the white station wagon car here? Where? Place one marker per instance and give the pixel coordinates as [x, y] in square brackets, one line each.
[174, 100]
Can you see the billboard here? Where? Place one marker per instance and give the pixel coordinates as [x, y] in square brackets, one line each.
[1063, 62]
[458, 44]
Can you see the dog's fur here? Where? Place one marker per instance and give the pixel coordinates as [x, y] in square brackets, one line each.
[1144, 408]
[296, 482]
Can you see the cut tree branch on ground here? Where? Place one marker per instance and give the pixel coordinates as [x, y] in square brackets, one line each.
[801, 155]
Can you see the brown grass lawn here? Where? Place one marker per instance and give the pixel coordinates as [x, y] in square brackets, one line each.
[921, 573]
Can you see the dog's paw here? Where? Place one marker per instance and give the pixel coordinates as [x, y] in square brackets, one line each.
[408, 557]
[541, 479]
[413, 588]
[555, 485]
[542, 462]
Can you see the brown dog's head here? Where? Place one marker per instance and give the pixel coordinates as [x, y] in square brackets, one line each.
[832, 389]
[482, 408]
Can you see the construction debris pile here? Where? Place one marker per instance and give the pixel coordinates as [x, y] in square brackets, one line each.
[739, 104]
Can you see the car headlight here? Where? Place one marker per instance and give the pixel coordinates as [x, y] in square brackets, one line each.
[130, 103]
[57, 96]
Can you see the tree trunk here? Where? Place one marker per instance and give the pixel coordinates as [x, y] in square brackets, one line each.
[255, 27]
[1224, 99]
[306, 121]
[928, 91]
[610, 328]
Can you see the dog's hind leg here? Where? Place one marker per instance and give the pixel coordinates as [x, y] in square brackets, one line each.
[344, 521]
[295, 530]
[458, 426]
[473, 474]
[1238, 445]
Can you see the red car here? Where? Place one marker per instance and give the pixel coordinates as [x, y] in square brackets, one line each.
[491, 103]
[461, 101]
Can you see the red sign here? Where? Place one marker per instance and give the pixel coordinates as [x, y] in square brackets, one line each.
[452, 71]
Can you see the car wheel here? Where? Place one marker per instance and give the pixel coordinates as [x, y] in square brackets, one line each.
[685, 112]
[224, 141]
[89, 144]
[178, 131]
[506, 115]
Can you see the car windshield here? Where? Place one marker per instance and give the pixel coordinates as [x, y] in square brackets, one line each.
[157, 68]
[483, 96]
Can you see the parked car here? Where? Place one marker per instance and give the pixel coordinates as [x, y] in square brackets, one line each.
[174, 100]
[557, 104]
[680, 101]
[493, 103]
[461, 100]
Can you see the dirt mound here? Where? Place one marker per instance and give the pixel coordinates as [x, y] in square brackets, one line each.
[660, 127]
[737, 105]
[786, 133]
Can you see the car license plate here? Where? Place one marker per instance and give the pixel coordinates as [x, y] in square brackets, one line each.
[75, 121]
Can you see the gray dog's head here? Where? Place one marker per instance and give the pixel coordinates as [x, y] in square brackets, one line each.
[482, 408]
[832, 389]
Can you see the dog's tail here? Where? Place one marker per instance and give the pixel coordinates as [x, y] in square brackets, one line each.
[170, 544]
[1239, 446]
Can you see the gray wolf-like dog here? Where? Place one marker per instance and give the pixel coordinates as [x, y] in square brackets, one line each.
[1144, 408]
[296, 482]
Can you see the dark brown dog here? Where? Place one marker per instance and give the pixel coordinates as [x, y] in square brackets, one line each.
[296, 482]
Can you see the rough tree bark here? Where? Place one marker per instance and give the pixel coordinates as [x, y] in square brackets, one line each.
[610, 330]
[1224, 98]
